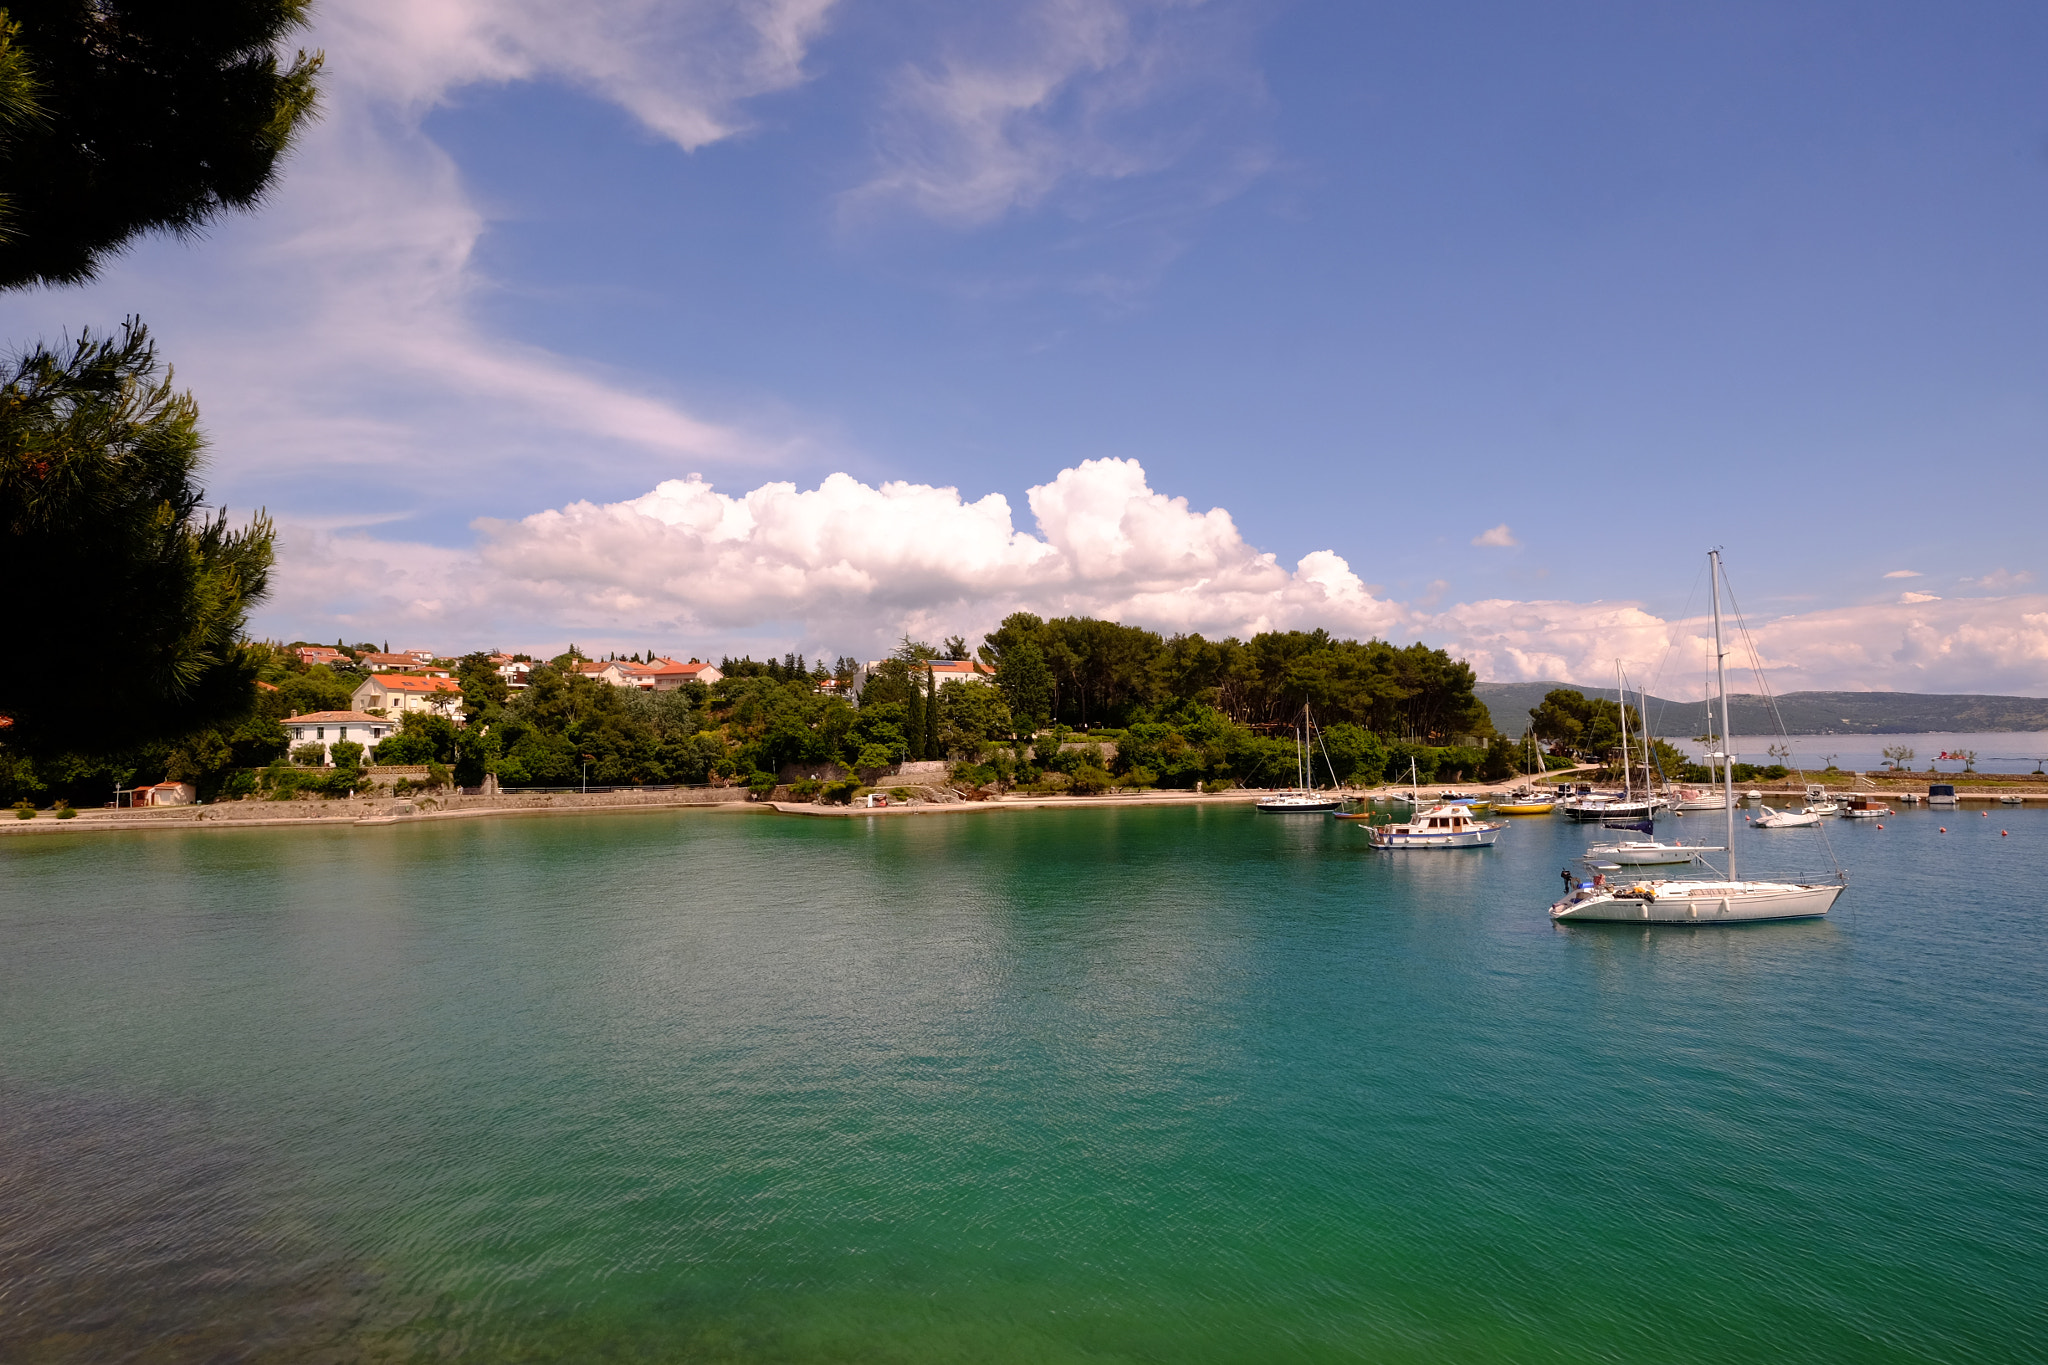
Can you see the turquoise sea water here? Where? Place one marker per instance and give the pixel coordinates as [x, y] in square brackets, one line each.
[1091, 1085]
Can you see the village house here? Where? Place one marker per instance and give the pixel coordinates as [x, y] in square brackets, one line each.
[391, 663]
[397, 693]
[513, 671]
[310, 655]
[656, 675]
[945, 673]
[328, 728]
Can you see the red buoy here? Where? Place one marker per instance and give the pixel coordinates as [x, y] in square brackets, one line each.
[1944, 829]
[2005, 834]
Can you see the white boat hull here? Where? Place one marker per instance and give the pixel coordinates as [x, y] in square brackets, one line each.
[1787, 819]
[1697, 903]
[1645, 854]
[1482, 837]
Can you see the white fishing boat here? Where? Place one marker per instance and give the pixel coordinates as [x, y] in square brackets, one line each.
[1303, 798]
[1941, 794]
[1862, 807]
[1818, 802]
[1693, 799]
[1702, 901]
[1444, 825]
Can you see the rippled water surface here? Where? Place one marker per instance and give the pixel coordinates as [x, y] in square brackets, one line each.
[1091, 1085]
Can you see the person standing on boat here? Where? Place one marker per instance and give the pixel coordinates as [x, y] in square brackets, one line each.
[1567, 875]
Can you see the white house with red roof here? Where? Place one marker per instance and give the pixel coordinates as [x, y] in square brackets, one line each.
[329, 728]
[397, 693]
[656, 675]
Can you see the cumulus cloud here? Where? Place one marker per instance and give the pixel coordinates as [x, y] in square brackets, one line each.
[1061, 92]
[1904, 573]
[848, 566]
[1500, 538]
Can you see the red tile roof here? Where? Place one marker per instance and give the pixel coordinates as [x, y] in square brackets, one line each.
[400, 682]
[338, 718]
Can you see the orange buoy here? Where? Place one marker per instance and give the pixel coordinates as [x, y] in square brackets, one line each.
[2005, 834]
[1880, 826]
[1944, 829]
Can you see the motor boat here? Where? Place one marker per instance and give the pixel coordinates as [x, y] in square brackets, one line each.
[1817, 802]
[1941, 794]
[1859, 806]
[1772, 818]
[1692, 799]
[1444, 825]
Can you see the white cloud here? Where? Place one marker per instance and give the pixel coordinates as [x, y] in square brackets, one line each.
[1904, 573]
[2000, 580]
[1066, 92]
[1500, 538]
[848, 566]
[1914, 598]
[335, 336]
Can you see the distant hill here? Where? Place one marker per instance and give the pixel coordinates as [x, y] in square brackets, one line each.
[1805, 713]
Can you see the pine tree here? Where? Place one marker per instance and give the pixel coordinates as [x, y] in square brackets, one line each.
[101, 519]
[913, 728]
[931, 715]
[141, 117]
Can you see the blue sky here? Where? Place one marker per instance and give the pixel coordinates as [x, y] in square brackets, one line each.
[1626, 280]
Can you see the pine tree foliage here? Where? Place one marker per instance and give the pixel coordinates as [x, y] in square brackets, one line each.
[133, 592]
[133, 116]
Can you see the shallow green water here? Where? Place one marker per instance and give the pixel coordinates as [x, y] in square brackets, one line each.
[1098, 1085]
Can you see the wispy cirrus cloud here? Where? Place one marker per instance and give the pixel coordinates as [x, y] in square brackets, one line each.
[337, 336]
[847, 565]
[1060, 95]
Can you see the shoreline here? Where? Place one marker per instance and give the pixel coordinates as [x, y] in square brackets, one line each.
[376, 814]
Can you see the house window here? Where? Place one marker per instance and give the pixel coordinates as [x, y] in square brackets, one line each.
[320, 732]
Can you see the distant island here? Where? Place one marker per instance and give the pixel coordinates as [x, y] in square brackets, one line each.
[1804, 713]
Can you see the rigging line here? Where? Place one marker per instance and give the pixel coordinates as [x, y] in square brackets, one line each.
[1685, 613]
[1777, 718]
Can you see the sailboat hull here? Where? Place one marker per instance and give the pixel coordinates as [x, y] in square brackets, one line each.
[1697, 903]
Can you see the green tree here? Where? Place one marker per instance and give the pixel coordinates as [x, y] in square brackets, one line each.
[971, 715]
[144, 117]
[484, 690]
[932, 747]
[916, 704]
[99, 510]
[1026, 684]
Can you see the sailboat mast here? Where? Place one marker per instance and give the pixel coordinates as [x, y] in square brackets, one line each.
[1621, 701]
[1721, 672]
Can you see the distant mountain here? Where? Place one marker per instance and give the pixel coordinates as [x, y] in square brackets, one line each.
[1805, 713]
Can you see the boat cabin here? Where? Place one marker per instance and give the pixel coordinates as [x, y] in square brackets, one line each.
[1941, 794]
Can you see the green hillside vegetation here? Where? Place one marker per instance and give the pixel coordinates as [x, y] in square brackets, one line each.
[1805, 713]
[1158, 711]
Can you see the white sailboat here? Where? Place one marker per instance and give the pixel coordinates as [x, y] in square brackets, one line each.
[1303, 798]
[1703, 901]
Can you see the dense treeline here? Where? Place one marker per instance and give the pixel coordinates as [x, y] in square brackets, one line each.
[1168, 711]
[1083, 672]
